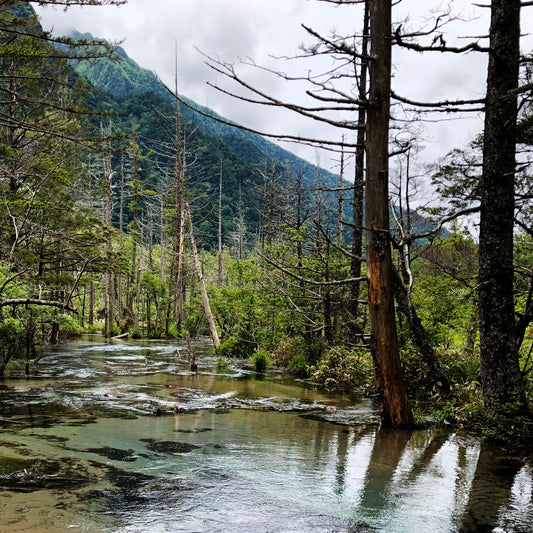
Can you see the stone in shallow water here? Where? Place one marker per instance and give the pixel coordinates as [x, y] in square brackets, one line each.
[170, 447]
[29, 475]
[115, 454]
[199, 430]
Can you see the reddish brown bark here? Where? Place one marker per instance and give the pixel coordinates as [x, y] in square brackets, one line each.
[396, 410]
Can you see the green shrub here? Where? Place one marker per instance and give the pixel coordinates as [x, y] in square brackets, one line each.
[464, 371]
[345, 369]
[10, 329]
[288, 348]
[136, 334]
[68, 325]
[222, 362]
[93, 328]
[261, 360]
[298, 366]
[236, 348]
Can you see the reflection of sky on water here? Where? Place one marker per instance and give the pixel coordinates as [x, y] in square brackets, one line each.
[282, 459]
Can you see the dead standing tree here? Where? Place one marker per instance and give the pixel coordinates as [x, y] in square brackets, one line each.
[503, 388]
[396, 408]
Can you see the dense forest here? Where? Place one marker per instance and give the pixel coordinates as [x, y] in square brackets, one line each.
[127, 212]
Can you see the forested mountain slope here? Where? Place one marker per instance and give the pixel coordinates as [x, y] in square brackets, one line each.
[213, 147]
[125, 77]
[144, 106]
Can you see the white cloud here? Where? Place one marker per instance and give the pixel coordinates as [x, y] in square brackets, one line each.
[260, 29]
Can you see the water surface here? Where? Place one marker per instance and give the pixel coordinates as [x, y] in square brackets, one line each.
[122, 437]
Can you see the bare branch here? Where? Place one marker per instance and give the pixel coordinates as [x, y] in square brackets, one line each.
[228, 70]
[280, 137]
[444, 105]
[435, 231]
[35, 301]
[310, 281]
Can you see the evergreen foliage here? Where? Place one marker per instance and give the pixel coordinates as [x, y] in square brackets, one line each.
[94, 239]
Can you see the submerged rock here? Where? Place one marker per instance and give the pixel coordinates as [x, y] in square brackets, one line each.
[29, 475]
[115, 454]
[170, 447]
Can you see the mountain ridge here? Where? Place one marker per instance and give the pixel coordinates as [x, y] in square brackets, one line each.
[125, 76]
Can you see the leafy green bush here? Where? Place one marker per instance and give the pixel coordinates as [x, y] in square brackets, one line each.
[68, 325]
[10, 329]
[93, 328]
[236, 348]
[345, 369]
[222, 362]
[465, 412]
[464, 371]
[287, 349]
[261, 360]
[299, 366]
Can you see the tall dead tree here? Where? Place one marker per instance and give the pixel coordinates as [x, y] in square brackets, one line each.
[353, 331]
[201, 283]
[107, 178]
[219, 269]
[503, 388]
[395, 404]
[179, 191]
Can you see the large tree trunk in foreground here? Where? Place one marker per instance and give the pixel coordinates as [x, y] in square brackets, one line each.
[396, 410]
[503, 389]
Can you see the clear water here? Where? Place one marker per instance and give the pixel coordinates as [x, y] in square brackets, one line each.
[121, 437]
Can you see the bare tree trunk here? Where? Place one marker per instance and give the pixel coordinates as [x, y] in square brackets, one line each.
[340, 201]
[328, 318]
[353, 330]
[396, 410]
[503, 388]
[107, 179]
[271, 203]
[121, 236]
[90, 320]
[201, 283]
[162, 241]
[137, 304]
[179, 188]
[150, 238]
[219, 270]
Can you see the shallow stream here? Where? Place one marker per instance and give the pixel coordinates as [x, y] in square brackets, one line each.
[120, 436]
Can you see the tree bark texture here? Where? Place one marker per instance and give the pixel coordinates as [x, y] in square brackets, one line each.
[503, 389]
[354, 331]
[396, 410]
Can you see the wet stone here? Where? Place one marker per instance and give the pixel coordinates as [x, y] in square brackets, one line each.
[53, 438]
[131, 490]
[30, 475]
[13, 445]
[115, 454]
[170, 447]
[199, 430]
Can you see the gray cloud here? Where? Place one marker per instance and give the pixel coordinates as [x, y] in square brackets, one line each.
[260, 29]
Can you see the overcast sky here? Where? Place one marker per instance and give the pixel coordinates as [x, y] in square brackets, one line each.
[263, 30]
